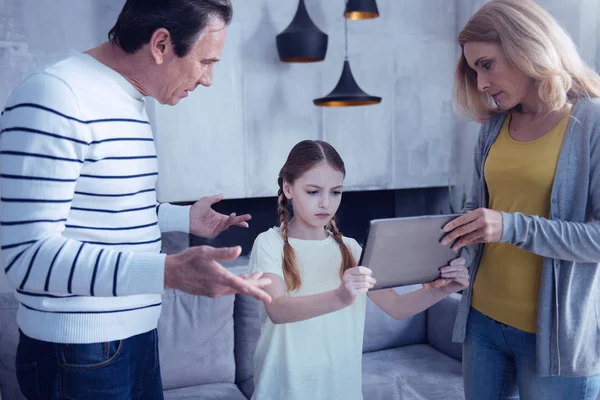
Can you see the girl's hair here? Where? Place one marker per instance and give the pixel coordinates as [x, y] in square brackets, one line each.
[303, 157]
[533, 42]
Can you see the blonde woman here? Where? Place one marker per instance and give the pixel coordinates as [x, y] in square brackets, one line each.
[533, 307]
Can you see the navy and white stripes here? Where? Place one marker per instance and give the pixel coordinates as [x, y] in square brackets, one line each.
[28, 189]
[79, 222]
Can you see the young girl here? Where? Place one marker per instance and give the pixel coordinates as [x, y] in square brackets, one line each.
[310, 346]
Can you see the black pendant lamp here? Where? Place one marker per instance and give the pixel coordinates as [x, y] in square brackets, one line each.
[347, 92]
[302, 41]
[361, 9]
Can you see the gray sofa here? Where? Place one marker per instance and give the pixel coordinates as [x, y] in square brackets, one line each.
[206, 349]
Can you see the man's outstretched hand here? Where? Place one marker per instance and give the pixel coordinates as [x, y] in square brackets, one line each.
[197, 271]
[207, 223]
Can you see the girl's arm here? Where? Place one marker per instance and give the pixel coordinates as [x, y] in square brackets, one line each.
[454, 278]
[285, 309]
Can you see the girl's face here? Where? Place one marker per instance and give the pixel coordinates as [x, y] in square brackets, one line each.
[316, 194]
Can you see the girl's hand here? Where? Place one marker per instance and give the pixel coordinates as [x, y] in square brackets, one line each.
[454, 277]
[356, 281]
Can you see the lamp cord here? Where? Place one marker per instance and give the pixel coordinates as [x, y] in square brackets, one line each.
[346, 35]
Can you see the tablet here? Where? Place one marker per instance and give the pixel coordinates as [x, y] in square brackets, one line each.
[406, 251]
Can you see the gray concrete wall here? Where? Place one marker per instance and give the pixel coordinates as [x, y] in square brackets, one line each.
[35, 33]
[265, 106]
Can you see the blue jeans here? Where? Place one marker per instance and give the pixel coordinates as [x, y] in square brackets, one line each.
[499, 363]
[123, 369]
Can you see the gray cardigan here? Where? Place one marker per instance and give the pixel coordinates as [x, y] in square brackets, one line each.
[568, 325]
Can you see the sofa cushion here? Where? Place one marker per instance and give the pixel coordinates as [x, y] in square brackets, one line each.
[383, 332]
[196, 340]
[9, 339]
[247, 330]
[214, 391]
[440, 324]
[417, 372]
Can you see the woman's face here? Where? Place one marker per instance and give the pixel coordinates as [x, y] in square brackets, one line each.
[496, 76]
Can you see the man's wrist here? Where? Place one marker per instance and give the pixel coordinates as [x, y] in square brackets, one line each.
[172, 263]
[173, 218]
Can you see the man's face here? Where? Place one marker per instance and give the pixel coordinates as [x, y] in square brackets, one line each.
[177, 76]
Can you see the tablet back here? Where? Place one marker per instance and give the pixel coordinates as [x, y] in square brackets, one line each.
[406, 251]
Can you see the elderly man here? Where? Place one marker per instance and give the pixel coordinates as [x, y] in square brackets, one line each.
[80, 229]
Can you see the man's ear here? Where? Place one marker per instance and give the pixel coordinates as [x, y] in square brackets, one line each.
[161, 45]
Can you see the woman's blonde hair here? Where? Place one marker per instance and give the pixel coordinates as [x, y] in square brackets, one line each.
[303, 157]
[533, 42]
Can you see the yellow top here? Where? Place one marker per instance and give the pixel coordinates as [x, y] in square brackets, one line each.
[519, 178]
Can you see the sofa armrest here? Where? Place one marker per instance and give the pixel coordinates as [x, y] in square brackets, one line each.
[440, 324]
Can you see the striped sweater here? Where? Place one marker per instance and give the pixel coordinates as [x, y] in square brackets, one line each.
[79, 223]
